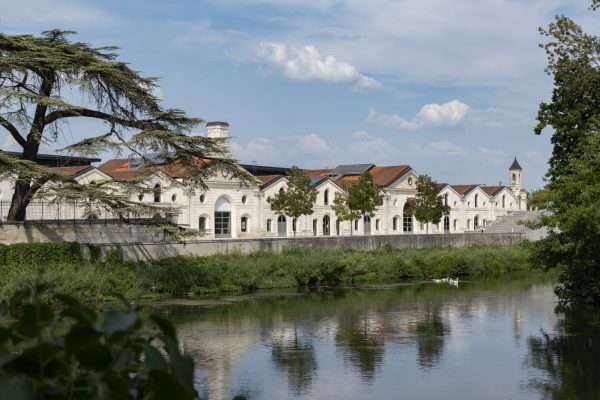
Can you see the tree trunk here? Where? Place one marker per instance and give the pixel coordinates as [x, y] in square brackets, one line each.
[20, 201]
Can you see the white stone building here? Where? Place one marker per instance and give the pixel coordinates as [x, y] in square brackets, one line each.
[229, 208]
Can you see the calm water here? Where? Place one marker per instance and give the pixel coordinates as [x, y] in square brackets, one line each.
[482, 340]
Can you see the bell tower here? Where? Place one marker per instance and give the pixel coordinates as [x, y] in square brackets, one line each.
[516, 184]
[219, 130]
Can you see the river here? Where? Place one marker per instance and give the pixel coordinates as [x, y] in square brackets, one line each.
[501, 339]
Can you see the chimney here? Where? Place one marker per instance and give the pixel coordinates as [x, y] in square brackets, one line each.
[219, 130]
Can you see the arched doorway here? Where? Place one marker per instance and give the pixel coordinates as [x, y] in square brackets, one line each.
[281, 226]
[326, 225]
[446, 224]
[222, 218]
[407, 219]
[367, 224]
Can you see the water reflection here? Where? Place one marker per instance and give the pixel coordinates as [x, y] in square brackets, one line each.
[568, 356]
[428, 340]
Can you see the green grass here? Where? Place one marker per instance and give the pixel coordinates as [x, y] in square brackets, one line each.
[187, 275]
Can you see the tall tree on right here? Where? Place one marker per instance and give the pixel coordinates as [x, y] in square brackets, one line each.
[572, 195]
[428, 206]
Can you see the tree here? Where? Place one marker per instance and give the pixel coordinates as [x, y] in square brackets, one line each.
[299, 198]
[342, 210]
[427, 206]
[572, 195]
[365, 196]
[40, 77]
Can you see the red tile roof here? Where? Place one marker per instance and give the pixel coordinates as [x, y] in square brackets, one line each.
[267, 179]
[317, 172]
[385, 176]
[462, 189]
[492, 190]
[73, 170]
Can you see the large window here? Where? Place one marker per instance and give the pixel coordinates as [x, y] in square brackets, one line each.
[157, 193]
[244, 224]
[202, 224]
[222, 218]
[446, 224]
[326, 225]
[407, 219]
[268, 225]
[476, 222]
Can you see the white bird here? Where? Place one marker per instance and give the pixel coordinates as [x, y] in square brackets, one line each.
[453, 282]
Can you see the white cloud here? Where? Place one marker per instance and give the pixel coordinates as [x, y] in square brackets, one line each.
[370, 148]
[306, 63]
[494, 155]
[258, 149]
[312, 143]
[431, 115]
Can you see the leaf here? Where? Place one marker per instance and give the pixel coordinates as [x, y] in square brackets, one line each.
[165, 386]
[15, 387]
[154, 360]
[80, 336]
[115, 320]
[163, 324]
[95, 356]
[34, 318]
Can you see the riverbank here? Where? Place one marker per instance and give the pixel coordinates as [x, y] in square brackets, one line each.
[182, 276]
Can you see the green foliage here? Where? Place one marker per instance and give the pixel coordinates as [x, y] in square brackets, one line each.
[365, 197]
[66, 350]
[3, 249]
[342, 210]
[36, 254]
[572, 195]
[427, 206]
[298, 199]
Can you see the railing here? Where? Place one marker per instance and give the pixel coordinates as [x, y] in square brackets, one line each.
[63, 211]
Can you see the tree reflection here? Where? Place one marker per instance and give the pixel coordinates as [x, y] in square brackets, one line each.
[568, 357]
[297, 359]
[431, 331]
[363, 346]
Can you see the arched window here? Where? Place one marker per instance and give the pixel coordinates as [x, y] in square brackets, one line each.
[268, 225]
[157, 193]
[446, 199]
[468, 224]
[244, 224]
[337, 227]
[355, 224]
[222, 218]
[476, 222]
[326, 223]
[407, 219]
[476, 200]
[202, 224]
[446, 224]
[395, 223]
[504, 201]
[314, 227]
[326, 197]
[376, 224]
[455, 224]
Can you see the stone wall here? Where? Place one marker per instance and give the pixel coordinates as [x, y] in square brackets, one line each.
[136, 243]
[145, 251]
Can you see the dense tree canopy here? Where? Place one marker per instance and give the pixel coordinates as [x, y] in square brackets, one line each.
[428, 206]
[342, 210]
[298, 199]
[366, 196]
[572, 195]
[47, 80]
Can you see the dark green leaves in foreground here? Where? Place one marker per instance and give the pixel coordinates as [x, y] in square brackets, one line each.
[70, 351]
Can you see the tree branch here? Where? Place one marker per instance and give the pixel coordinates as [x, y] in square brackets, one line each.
[13, 131]
[85, 112]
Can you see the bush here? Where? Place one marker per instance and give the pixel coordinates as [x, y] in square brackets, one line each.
[67, 350]
[43, 253]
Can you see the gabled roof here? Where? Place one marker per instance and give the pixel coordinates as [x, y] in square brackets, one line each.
[385, 176]
[267, 180]
[492, 190]
[76, 170]
[515, 166]
[463, 189]
[317, 172]
[119, 169]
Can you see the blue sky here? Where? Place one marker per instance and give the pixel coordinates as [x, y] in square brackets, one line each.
[449, 87]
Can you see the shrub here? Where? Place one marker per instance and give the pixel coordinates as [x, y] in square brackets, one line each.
[43, 253]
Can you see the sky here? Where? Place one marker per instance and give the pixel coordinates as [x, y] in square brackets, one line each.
[450, 87]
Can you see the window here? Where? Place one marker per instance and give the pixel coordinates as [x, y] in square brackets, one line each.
[446, 224]
[395, 223]
[476, 222]
[446, 199]
[476, 200]
[454, 224]
[244, 199]
[201, 198]
[468, 224]
[222, 218]
[355, 224]
[156, 193]
[409, 181]
[202, 224]
[268, 225]
[422, 226]
[140, 196]
[326, 197]
[314, 227]
[407, 219]
[173, 198]
[514, 177]
[376, 224]
[337, 227]
[326, 225]
[504, 201]
[244, 224]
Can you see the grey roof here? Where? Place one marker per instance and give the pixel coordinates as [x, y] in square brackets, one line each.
[315, 180]
[515, 165]
[351, 169]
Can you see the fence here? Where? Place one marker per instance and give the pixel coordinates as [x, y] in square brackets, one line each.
[64, 211]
